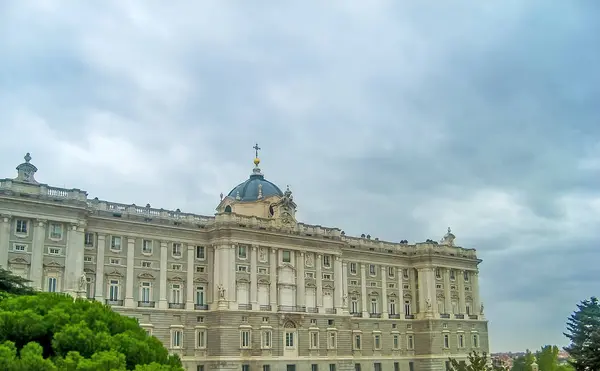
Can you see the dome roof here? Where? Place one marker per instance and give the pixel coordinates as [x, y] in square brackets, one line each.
[249, 190]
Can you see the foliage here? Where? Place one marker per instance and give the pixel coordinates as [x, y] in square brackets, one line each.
[583, 328]
[476, 362]
[524, 362]
[12, 284]
[54, 332]
[547, 359]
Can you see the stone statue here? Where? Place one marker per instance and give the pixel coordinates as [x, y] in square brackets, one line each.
[221, 292]
[345, 300]
[262, 254]
[481, 309]
[309, 260]
[428, 304]
[82, 282]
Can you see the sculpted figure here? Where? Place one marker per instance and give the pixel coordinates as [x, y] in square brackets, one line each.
[82, 282]
[221, 291]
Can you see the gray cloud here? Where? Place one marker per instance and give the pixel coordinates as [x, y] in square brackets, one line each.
[392, 119]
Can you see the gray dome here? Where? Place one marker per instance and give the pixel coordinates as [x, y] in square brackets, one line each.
[248, 190]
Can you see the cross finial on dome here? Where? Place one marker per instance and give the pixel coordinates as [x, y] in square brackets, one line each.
[256, 159]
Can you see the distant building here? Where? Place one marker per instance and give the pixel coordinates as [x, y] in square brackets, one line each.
[249, 288]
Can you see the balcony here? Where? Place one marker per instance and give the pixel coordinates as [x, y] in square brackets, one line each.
[291, 308]
[146, 304]
[473, 316]
[356, 314]
[375, 315]
[409, 316]
[330, 310]
[201, 306]
[115, 302]
[444, 315]
[245, 306]
[265, 308]
[459, 316]
[394, 316]
[176, 306]
[312, 310]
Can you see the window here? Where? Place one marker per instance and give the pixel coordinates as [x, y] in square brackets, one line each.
[245, 339]
[396, 366]
[357, 367]
[330, 322]
[468, 308]
[395, 341]
[146, 264]
[265, 319]
[147, 246]
[21, 226]
[327, 276]
[89, 288]
[176, 338]
[407, 308]
[201, 339]
[392, 306]
[313, 321]
[200, 253]
[52, 284]
[354, 306]
[354, 282]
[200, 269]
[88, 239]
[115, 243]
[452, 274]
[245, 367]
[54, 251]
[88, 259]
[289, 340]
[266, 339]
[145, 288]
[438, 273]
[314, 340]
[176, 250]
[176, 293]
[200, 368]
[405, 274]
[332, 367]
[332, 340]
[263, 270]
[376, 366]
[327, 261]
[242, 268]
[287, 256]
[115, 261]
[372, 269]
[242, 252]
[314, 367]
[19, 247]
[56, 231]
[357, 341]
[113, 290]
[446, 341]
[266, 367]
[466, 276]
[176, 267]
[475, 340]
[391, 271]
[411, 366]
[377, 342]
[410, 342]
[200, 295]
[461, 341]
[406, 287]
[374, 306]
[352, 268]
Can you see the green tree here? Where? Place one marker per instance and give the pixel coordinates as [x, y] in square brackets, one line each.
[583, 331]
[54, 332]
[476, 362]
[12, 284]
[524, 362]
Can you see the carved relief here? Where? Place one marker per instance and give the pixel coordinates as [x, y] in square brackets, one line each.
[263, 254]
[309, 260]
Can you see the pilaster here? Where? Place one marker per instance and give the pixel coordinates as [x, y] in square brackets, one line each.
[384, 302]
[339, 284]
[400, 308]
[129, 303]
[74, 259]
[216, 277]
[4, 240]
[319, 281]
[189, 284]
[345, 287]
[273, 275]
[254, 278]
[300, 284]
[363, 290]
[99, 290]
[413, 290]
[37, 254]
[447, 292]
[462, 307]
[475, 290]
[231, 279]
[162, 284]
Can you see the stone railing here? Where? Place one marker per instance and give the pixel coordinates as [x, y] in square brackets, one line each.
[43, 190]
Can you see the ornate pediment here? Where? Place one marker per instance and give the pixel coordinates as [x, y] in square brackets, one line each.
[114, 273]
[176, 278]
[146, 276]
[89, 271]
[242, 280]
[407, 295]
[354, 292]
[392, 295]
[287, 265]
[440, 295]
[263, 281]
[328, 286]
[310, 284]
[374, 293]
[201, 280]
[53, 264]
[19, 260]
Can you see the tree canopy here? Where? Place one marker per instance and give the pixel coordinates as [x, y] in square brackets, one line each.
[583, 331]
[12, 284]
[476, 362]
[47, 332]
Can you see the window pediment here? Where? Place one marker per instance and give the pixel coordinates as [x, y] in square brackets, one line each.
[176, 278]
[200, 280]
[114, 273]
[146, 276]
[19, 261]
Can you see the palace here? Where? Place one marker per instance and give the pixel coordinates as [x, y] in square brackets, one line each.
[250, 288]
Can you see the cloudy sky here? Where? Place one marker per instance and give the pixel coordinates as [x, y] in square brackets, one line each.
[392, 118]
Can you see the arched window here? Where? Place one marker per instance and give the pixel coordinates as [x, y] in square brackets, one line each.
[228, 209]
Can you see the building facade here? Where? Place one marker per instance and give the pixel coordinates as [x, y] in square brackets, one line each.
[249, 288]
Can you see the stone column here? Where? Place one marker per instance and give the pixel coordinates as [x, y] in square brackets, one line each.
[99, 291]
[339, 284]
[447, 292]
[400, 307]
[475, 290]
[189, 284]
[462, 309]
[162, 285]
[413, 290]
[231, 272]
[384, 303]
[319, 280]
[37, 254]
[273, 275]
[4, 240]
[74, 259]
[345, 284]
[129, 302]
[216, 278]
[300, 284]
[422, 290]
[363, 290]
[254, 278]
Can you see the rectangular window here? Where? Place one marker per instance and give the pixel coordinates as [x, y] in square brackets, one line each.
[245, 339]
[21, 226]
[266, 367]
[242, 252]
[266, 339]
[332, 340]
[200, 295]
[54, 251]
[377, 342]
[372, 269]
[146, 264]
[176, 267]
[176, 294]
[332, 367]
[52, 284]
[56, 231]
[88, 239]
[145, 292]
[327, 261]
[201, 339]
[396, 366]
[357, 342]
[396, 341]
[176, 337]
[115, 243]
[354, 306]
[314, 367]
[20, 248]
[287, 256]
[357, 367]
[410, 342]
[263, 270]
[466, 276]
[327, 276]
[446, 341]
[200, 253]
[289, 340]
[242, 268]
[391, 271]
[392, 306]
[200, 269]
[115, 261]
[438, 273]
[411, 366]
[452, 274]
[376, 366]
[113, 290]
[147, 246]
[405, 274]
[245, 367]
[353, 268]
[176, 249]
[461, 341]
[374, 308]
[200, 368]
[475, 341]
[314, 340]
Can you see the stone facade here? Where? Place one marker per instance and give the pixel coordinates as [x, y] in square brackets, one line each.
[249, 288]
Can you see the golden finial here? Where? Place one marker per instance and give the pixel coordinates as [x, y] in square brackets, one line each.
[256, 159]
